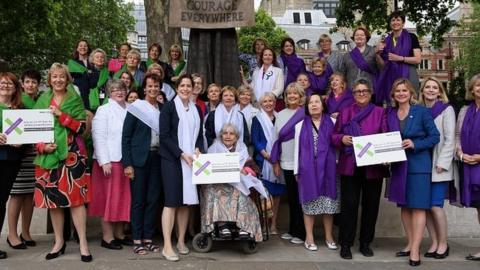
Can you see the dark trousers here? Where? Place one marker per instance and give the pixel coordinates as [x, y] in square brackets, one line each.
[296, 226]
[8, 173]
[370, 189]
[146, 188]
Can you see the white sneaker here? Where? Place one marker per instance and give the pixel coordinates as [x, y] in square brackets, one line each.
[286, 236]
[332, 245]
[296, 240]
[311, 247]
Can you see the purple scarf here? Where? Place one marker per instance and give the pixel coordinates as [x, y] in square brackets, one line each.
[392, 70]
[318, 84]
[470, 141]
[334, 105]
[316, 174]
[438, 108]
[360, 62]
[294, 66]
[398, 179]
[329, 67]
[286, 133]
[352, 127]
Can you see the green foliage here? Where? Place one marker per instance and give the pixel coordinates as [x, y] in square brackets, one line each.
[429, 16]
[456, 92]
[468, 61]
[36, 33]
[265, 28]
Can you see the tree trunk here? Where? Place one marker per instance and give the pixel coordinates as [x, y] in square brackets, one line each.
[156, 12]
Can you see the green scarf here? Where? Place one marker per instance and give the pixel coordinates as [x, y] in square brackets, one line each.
[2, 107]
[75, 67]
[150, 62]
[94, 95]
[27, 101]
[179, 67]
[119, 73]
[72, 105]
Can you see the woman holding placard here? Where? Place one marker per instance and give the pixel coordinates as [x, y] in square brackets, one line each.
[358, 183]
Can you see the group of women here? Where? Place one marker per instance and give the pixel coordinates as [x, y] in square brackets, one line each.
[140, 125]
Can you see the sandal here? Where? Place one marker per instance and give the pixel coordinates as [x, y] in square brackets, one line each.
[139, 249]
[150, 246]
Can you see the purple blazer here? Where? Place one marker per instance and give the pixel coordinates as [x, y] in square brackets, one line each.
[374, 123]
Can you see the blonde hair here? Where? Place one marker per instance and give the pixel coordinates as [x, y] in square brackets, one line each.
[197, 75]
[213, 85]
[175, 47]
[57, 67]
[157, 67]
[324, 37]
[443, 95]
[98, 50]
[321, 61]
[408, 85]
[471, 83]
[246, 88]
[134, 52]
[342, 78]
[228, 88]
[294, 86]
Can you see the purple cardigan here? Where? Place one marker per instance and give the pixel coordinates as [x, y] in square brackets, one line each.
[375, 122]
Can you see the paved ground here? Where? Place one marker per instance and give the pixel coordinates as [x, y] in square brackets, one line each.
[274, 254]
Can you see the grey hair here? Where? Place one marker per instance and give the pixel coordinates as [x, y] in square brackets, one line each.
[246, 88]
[98, 50]
[267, 94]
[232, 126]
[116, 83]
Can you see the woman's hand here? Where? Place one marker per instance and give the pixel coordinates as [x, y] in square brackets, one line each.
[197, 153]
[334, 115]
[347, 140]
[187, 158]
[380, 47]
[3, 139]
[243, 171]
[107, 169]
[470, 159]
[395, 57]
[56, 111]
[407, 143]
[265, 154]
[439, 169]
[276, 169]
[129, 172]
[49, 148]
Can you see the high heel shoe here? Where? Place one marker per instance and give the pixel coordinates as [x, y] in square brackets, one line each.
[53, 255]
[444, 254]
[86, 258]
[19, 246]
[29, 243]
[414, 263]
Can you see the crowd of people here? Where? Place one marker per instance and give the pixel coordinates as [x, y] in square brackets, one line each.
[127, 132]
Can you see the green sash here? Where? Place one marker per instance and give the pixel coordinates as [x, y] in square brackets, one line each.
[179, 68]
[94, 95]
[2, 107]
[27, 101]
[119, 73]
[72, 105]
[75, 67]
[150, 62]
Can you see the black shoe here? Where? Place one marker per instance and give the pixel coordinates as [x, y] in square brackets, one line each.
[444, 255]
[112, 245]
[366, 250]
[29, 243]
[19, 246]
[86, 258]
[402, 253]
[54, 255]
[346, 253]
[430, 254]
[414, 263]
[126, 241]
[470, 257]
[3, 254]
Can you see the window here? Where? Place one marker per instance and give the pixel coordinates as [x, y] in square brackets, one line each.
[440, 64]
[308, 18]
[296, 17]
[424, 64]
[328, 7]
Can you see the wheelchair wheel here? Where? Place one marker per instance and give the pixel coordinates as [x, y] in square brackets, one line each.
[202, 243]
[250, 247]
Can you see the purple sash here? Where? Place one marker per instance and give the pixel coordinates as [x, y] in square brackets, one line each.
[318, 84]
[398, 179]
[294, 65]
[470, 141]
[316, 174]
[352, 127]
[334, 105]
[286, 133]
[360, 62]
[329, 67]
[392, 70]
[438, 108]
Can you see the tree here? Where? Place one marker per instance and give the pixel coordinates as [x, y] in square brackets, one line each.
[36, 33]
[429, 16]
[158, 30]
[265, 28]
[468, 61]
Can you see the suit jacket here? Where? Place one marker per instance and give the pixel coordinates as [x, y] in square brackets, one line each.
[136, 140]
[421, 129]
[259, 141]
[169, 148]
[445, 149]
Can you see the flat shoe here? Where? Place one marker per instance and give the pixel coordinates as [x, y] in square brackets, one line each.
[430, 254]
[296, 240]
[331, 246]
[172, 258]
[470, 257]
[311, 247]
[183, 251]
[286, 236]
[29, 243]
[402, 253]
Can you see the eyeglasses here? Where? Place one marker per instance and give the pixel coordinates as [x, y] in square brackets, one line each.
[361, 92]
[118, 91]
